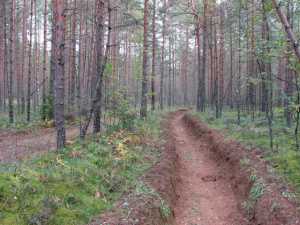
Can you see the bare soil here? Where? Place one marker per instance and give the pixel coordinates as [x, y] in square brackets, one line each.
[227, 158]
[15, 146]
[205, 195]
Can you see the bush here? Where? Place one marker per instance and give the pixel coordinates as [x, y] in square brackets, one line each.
[47, 109]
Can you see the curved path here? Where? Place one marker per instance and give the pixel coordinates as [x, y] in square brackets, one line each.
[205, 197]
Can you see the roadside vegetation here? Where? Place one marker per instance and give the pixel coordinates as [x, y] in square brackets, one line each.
[82, 180]
[255, 134]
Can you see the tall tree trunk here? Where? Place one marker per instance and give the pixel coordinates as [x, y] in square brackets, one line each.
[185, 68]
[44, 60]
[11, 62]
[24, 51]
[266, 73]
[52, 70]
[170, 73]
[221, 58]
[145, 63]
[2, 54]
[289, 76]
[73, 67]
[239, 82]
[204, 48]
[96, 101]
[231, 96]
[216, 67]
[162, 75]
[100, 9]
[252, 88]
[153, 93]
[6, 63]
[29, 63]
[59, 82]
[198, 45]
[80, 66]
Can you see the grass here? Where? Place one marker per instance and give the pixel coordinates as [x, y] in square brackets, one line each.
[20, 124]
[284, 156]
[83, 180]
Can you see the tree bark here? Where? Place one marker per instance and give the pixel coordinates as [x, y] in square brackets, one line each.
[44, 60]
[143, 111]
[153, 93]
[162, 75]
[11, 62]
[59, 82]
[96, 101]
[28, 100]
[100, 8]
[288, 29]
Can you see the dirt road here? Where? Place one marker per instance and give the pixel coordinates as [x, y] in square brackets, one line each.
[17, 146]
[205, 197]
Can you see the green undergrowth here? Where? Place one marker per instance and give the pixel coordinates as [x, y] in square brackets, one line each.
[81, 181]
[20, 123]
[254, 133]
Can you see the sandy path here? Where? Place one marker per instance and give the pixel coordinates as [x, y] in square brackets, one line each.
[17, 146]
[206, 198]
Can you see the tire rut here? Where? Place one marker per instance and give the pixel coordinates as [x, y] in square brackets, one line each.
[205, 197]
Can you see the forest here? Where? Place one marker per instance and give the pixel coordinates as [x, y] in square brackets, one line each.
[123, 112]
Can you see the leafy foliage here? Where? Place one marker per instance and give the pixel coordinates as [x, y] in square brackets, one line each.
[47, 109]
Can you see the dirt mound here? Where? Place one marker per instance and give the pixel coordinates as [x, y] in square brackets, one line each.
[151, 203]
[261, 195]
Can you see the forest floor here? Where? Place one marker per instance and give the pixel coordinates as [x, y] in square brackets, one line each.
[201, 178]
[16, 146]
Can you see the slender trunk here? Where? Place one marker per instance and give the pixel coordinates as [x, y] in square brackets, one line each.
[203, 72]
[5, 58]
[145, 63]
[162, 76]
[11, 63]
[231, 96]
[100, 8]
[59, 82]
[288, 29]
[2, 54]
[297, 116]
[239, 83]
[170, 73]
[200, 97]
[73, 67]
[96, 101]
[24, 51]
[153, 93]
[216, 69]
[267, 74]
[289, 76]
[185, 68]
[29, 64]
[80, 66]
[44, 60]
[221, 59]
